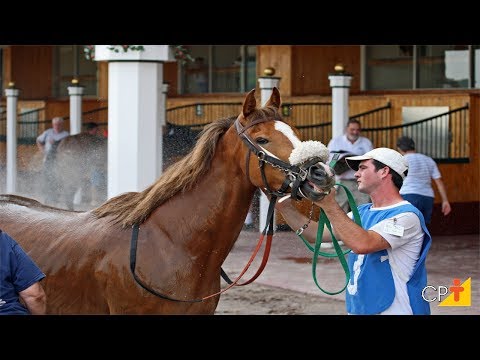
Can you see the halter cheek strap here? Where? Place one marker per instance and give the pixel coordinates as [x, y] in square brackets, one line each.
[264, 158]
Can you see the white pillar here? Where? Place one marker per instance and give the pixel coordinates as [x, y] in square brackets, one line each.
[340, 84]
[266, 84]
[163, 104]
[134, 83]
[75, 92]
[12, 99]
[162, 109]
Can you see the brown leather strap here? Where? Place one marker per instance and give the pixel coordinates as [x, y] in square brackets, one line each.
[252, 257]
[267, 231]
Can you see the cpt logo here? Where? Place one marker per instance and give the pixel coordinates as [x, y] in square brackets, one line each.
[458, 294]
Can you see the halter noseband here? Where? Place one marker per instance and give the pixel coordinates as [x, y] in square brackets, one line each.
[294, 174]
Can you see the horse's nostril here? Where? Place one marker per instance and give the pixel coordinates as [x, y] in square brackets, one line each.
[317, 172]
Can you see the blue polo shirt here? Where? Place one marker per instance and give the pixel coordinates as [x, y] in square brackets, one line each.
[17, 273]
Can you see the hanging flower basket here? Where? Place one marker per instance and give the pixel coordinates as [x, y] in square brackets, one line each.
[137, 52]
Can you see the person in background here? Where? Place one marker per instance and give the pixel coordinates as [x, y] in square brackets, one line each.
[417, 187]
[92, 128]
[348, 144]
[47, 142]
[387, 261]
[20, 290]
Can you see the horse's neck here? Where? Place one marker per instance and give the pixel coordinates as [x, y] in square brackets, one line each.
[233, 189]
[224, 192]
[212, 213]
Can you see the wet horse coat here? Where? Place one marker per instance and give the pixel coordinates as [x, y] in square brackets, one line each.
[189, 221]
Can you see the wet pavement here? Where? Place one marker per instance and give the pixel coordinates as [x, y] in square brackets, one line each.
[290, 267]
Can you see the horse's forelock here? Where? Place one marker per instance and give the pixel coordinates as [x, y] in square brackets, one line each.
[265, 113]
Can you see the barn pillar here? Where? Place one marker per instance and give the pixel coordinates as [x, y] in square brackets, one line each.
[162, 122]
[266, 84]
[340, 83]
[75, 91]
[11, 94]
[135, 78]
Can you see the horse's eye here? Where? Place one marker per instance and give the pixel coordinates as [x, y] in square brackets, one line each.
[261, 141]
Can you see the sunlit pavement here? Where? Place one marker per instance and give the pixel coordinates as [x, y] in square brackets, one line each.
[290, 266]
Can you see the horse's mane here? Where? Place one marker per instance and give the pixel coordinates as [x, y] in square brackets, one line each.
[135, 207]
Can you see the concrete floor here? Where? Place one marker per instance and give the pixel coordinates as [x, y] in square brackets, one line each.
[289, 267]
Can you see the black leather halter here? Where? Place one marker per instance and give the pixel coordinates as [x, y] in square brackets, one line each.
[294, 174]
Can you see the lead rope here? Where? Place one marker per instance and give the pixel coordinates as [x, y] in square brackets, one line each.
[268, 230]
[322, 222]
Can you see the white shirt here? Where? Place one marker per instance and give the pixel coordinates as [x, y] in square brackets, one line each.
[50, 134]
[359, 147]
[421, 170]
[402, 255]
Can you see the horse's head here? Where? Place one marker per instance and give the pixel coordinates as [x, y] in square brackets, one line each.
[277, 161]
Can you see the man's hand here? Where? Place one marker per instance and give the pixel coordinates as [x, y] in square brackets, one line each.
[328, 200]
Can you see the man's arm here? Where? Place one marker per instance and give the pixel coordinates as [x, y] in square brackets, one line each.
[356, 238]
[41, 141]
[296, 220]
[361, 241]
[443, 194]
[35, 299]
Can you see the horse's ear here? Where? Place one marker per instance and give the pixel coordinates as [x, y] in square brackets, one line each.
[274, 100]
[250, 104]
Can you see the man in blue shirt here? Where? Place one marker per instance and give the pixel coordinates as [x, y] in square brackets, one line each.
[387, 262]
[20, 290]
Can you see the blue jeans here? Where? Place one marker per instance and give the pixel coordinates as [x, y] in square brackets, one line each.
[422, 203]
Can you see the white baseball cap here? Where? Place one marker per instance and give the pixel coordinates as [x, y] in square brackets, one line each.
[393, 159]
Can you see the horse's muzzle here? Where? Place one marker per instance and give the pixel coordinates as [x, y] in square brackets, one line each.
[320, 180]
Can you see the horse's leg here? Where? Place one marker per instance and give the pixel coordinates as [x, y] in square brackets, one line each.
[69, 196]
[86, 192]
[98, 186]
[48, 182]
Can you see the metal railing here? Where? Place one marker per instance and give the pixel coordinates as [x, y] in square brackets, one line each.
[444, 137]
[374, 117]
[200, 114]
[323, 131]
[29, 125]
[98, 116]
[308, 112]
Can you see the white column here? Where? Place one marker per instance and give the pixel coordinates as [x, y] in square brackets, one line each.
[162, 109]
[12, 99]
[75, 92]
[163, 104]
[133, 131]
[340, 84]
[266, 84]
[134, 83]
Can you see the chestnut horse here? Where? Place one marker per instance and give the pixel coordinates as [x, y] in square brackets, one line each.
[187, 223]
